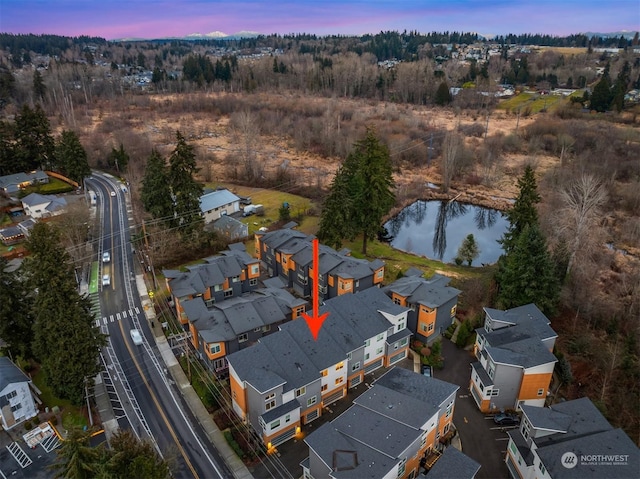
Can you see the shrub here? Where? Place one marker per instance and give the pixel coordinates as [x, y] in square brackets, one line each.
[234, 445]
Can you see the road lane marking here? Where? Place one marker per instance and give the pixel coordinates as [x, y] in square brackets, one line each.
[118, 316]
[111, 318]
[104, 320]
[137, 310]
[124, 314]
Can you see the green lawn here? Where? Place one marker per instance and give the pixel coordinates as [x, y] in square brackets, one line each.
[72, 416]
[54, 186]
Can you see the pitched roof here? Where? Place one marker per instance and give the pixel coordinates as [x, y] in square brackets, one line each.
[432, 292]
[546, 418]
[216, 199]
[453, 463]
[527, 353]
[10, 373]
[527, 312]
[33, 199]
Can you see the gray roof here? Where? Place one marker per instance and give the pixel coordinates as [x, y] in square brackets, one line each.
[382, 433]
[339, 451]
[527, 328]
[34, 199]
[611, 442]
[432, 292]
[211, 324]
[516, 315]
[231, 227]
[274, 239]
[527, 353]
[14, 179]
[280, 411]
[10, 373]
[546, 418]
[11, 232]
[216, 199]
[200, 277]
[453, 464]
[430, 391]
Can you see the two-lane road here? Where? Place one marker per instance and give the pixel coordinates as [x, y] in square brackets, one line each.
[154, 408]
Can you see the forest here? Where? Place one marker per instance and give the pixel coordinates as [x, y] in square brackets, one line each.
[284, 112]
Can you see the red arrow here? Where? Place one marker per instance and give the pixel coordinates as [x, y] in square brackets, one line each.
[315, 322]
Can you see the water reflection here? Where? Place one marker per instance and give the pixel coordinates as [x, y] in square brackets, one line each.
[438, 235]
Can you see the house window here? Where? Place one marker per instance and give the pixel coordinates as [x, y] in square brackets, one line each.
[492, 369]
[401, 326]
[270, 401]
[367, 343]
[357, 283]
[284, 259]
[380, 274]
[209, 302]
[274, 424]
[349, 356]
[16, 407]
[449, 408]
[255, 269]
[266, 328]
[380, 337]
[302, 279]
[311, 401]
[397, 300]
[379, 351]
[217, 288]
[324, 372]
[287, 418]
[401, 467]
[366, 356]
[540, 392]
[324, 387]
[253, 282]
[301, 391]
[235, 279]
[423, 440]
[395, 346]
[430, 327]
[243, 337]
[355, 366]
[495, 392]
[228, 293]
[234, 394]
[423, 327]
[453, 310]
[256, 330]
[214, 348]
[525, 429]
[404, 342]
[339, 366]
[339, 380]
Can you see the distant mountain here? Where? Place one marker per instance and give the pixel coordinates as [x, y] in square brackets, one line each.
[196, 36]
[625, 33]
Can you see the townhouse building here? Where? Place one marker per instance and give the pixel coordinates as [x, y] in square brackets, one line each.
[17, 403]
[515, 359]
[392, 430]
[288, 253]
[221, 328]
[216, 204]
[432, 301]
[284, 381]
[571, 439]
[233, 273]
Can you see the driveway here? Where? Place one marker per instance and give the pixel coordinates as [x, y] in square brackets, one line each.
[481, 439]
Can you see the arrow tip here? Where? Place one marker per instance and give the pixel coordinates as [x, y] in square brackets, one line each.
[315, 323]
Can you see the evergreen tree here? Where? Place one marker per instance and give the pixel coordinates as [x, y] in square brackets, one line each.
[71, 157]
[16, 319]
[118, 159]
[66, 340]
[443, 96]
[524, 211]
[7, 156]
[155, 193]
[335, 222]
[601, 95]
[620, 87]
[39, 89]
[34, 146]
[369, 182]
[185, 190]
[529, 275]
[76, 459]
[131, 457]
[7, 85]
[468, 250]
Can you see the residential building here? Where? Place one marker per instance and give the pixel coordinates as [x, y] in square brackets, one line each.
[221, 328]
[232, 273]
[515, 359]
[571, 439]
[288, 253]
[11, 184]
[230, 228]
[284, 381]
[432, 301]
[218, 203]
[17, 402]
[43, 206]
[392, 430]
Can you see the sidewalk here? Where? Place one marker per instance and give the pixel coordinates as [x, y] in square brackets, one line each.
[234, 463]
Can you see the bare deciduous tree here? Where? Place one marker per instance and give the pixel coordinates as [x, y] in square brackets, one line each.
[451, 153]
[582, 200]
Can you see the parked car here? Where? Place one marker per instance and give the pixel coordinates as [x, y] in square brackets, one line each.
[506, 419]
[426, 370]
[136, 337]
[106, 280]
[106, 257]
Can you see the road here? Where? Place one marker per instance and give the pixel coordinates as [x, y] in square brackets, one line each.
[142, 395]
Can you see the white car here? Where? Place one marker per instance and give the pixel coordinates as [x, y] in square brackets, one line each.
[106, 257]
[113, 193]
[136, 337]
[106, 280]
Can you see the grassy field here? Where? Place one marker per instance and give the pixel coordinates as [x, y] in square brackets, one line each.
[54, 186]
[72, 416]
[531, 102]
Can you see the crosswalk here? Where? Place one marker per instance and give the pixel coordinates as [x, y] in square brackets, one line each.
[118, 316]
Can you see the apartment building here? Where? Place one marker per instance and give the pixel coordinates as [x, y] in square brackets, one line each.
[231, 274]
[392, 430]
[515, 359]
[283, 382]
[571, 439]
[17, 402]
[432, 301]
[288, 253]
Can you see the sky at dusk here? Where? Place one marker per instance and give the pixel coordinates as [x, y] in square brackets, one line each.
[113, 19]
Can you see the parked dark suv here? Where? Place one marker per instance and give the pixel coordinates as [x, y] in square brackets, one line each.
[426, 370]
[506, 419]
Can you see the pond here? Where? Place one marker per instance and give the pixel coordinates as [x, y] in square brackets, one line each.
[436, 229]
